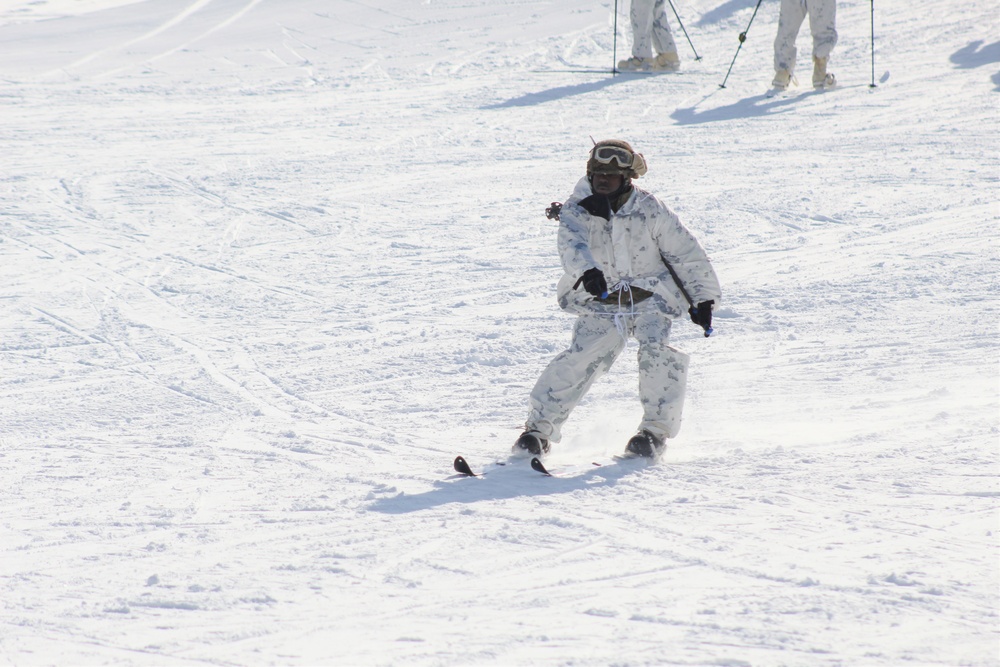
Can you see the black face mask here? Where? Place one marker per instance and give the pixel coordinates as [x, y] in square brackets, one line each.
[603, 206]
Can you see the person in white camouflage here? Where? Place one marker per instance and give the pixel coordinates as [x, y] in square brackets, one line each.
[650, 29]
[823, 26]
[621, 249]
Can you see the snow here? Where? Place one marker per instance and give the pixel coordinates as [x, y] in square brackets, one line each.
[267, 267]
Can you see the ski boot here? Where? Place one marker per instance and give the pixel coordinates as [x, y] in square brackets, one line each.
[634, 64]
[782, 78]
[667, 62]
[645, 444]
[821, 78]
[532, 443]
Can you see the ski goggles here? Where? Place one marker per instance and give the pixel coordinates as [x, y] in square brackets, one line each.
[609, 154]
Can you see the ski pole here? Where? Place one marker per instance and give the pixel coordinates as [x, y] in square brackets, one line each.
[614, 42]
[873, 45]
[743, 38]
[681, 24]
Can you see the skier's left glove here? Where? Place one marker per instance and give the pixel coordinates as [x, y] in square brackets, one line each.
[702, 315]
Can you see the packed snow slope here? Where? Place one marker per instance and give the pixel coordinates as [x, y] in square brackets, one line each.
[266, 267]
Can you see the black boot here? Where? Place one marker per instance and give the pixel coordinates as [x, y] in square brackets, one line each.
[530, 442]
[645, 444]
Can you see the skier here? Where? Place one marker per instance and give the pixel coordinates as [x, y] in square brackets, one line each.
[649, 29]
[620, 248]
[822, 24]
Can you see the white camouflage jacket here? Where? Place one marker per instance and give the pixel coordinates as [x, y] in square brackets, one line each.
[631, 248]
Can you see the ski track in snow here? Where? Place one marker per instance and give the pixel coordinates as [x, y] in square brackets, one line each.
[267, 268]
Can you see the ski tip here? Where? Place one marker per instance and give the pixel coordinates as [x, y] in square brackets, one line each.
[537, 465]
[461, 466]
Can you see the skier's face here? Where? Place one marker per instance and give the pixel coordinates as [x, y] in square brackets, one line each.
[605, 184]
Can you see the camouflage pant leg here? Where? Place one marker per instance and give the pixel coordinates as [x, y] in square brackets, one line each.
[641, 17]
[823, 26]
[662, 376]
[663, 38]
[564, 382]
[793, 12]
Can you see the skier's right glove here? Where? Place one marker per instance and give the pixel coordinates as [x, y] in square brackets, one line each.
[594, 282]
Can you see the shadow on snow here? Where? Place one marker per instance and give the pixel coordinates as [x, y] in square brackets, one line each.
[722, 13]
[758, 105]
[531, 99]
[502, 483]
[976, 55]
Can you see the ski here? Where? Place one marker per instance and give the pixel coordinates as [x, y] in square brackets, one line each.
[462, 467]
[616, 72]
[537, 465]
[788, 93]
[575, 470]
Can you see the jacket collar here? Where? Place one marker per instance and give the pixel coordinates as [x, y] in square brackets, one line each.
[583, 190]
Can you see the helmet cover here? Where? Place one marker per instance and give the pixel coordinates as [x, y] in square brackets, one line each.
[615, 156]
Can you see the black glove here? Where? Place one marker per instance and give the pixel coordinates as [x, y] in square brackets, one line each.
[702, 315]
[552, 212]
[594, 282]
[597, 205]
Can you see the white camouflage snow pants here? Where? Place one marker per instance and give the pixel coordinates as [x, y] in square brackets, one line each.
[595, 346]
[650, 28]
[822, 25]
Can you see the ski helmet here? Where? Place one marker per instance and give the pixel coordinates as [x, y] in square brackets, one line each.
[614, 156]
